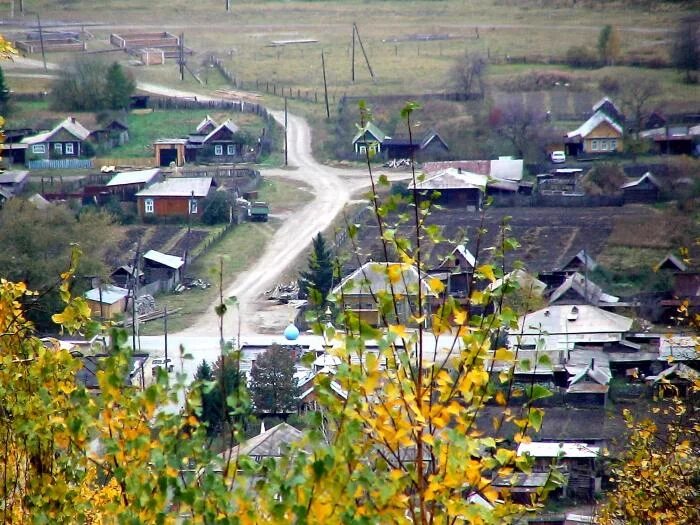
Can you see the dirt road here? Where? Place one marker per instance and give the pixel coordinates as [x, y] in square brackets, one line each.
[332, 189]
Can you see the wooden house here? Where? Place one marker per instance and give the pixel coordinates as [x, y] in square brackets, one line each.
[455, 271]
[162, 268]
[107, 301]
[360, 291]
[430, 146]
[224, 144]
[114, 132]
[453, 187]
[578, 461]
[601, 134]
[63, 141]
[646, 188]
[273, 443]
[371, 140]
[127, 184]
[677, 379]
[174, 197]
[578, 289]
[589, 384]
[581, 262]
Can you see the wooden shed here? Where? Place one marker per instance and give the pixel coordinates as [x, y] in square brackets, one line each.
[107, 301]
[170, 150]
[646, 188]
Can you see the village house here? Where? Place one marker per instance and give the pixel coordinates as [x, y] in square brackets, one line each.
[113, 132]
[602, 133]
[210, 143]
[273, 443]
[174, 197]
[579, 289]
[455, 271]
[430, 145]
[361, 289]
[645, 189]
[453, 187]
[577, 459]
[127, 184]
[66, 140]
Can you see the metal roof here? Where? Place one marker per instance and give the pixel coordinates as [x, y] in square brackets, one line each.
[207, 121]
[507, 169]
[596, 120]
[271, 443]
[584, 287]
[562, 326]
[171, 261]
[71, 125]
[647, 176]
[550, 449]
[373, 130]
[178, 187]
[229, 124]
[452, 179]
[13, 176]
[679, 347]
[110, 294]
[373, 277]
[133, 177]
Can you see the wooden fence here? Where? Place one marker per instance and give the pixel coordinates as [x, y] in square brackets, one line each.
[136, 162]
[209, 242]
[60, 164]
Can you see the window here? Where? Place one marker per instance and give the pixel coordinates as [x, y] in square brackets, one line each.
[193, 206]
[594, 145]
[363, 149]
[58, 148]
[148, 206]
[231, 149]
[69, 148]
[613, 144]
[218, 149]
[604, 145]
[38, 148]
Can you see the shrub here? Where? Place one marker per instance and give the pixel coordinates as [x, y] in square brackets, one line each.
[582, 56]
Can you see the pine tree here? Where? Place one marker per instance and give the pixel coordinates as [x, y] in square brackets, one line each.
[119, 87]
[212, 398]
[272, 384]
[318, 280]
[4, 96]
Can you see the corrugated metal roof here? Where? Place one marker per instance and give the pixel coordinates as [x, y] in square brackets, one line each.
[171, 261]
[550, 449]
[178, 187]
[110, 294]
[482, 167]
[584, 287]
[133, 177]
[596, 120]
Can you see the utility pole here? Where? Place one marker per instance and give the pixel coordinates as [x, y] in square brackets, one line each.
[165, 329]
[134, 286]
[228, 5]
[353, 53]
[182, 56]
[41, 40]
[285, 133]
[325, 85]
[362, 47]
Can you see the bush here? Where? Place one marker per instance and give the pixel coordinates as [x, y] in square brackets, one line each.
[582, 56]
[217, 208]
[609, 85]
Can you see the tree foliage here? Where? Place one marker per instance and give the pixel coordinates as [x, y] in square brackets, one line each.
[217, 208]
[89, 84]
[317, 281]
[686, 48]
[520, 124]
[609, 45]
[37, 247]
[657, 480]
[469, 73]
[4, 95]
[273, 386]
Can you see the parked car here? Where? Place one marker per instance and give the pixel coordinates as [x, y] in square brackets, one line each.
[558, 157]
